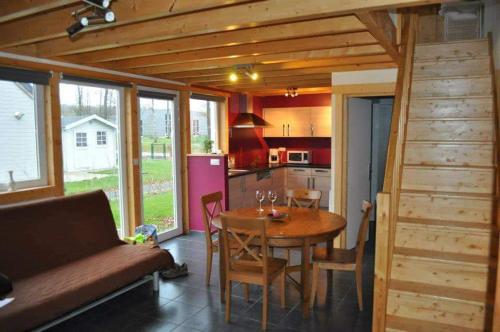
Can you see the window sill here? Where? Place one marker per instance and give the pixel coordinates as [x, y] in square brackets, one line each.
[27, 194]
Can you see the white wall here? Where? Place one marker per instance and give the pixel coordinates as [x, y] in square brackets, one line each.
[18, 151]
[373, 76]
[92, 157]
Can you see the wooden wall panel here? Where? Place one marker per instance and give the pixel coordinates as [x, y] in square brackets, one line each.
[472, 154]
[458, 87]
[446, 208]
[451, 108]
[457, 130]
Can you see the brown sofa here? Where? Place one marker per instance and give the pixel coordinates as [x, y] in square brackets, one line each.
[64, 253]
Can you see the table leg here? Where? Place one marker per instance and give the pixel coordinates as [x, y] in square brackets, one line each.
[304, 277]
[329, 250]
[222, 270]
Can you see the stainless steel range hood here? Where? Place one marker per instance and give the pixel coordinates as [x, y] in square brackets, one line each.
[246, 118]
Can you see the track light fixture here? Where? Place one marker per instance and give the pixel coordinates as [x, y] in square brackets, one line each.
[291, 92]
[98, 13]
[246, 70]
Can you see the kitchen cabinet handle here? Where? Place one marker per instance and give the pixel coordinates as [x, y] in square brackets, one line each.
[298, 170]
[283, 129]
[321, 171]
[308, 183]
[288, 130]
[312, 130]
[314, 183]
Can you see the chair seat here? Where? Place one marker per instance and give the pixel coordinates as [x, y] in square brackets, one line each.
[339, 256]
[245, 265]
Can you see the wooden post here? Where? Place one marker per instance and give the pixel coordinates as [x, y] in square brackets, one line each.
[185, 150]
[133, 151]
[381, 261]
[53, 135]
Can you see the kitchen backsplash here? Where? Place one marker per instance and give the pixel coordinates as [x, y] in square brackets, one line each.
[250, 148]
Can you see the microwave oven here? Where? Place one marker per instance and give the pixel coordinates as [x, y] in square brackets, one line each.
[299, 157]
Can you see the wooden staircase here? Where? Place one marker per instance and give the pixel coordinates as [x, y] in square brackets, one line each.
[442, 260]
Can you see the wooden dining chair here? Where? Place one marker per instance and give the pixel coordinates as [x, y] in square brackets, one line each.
[343, 259]
[302, 198]
[211, 206]
[248, 265]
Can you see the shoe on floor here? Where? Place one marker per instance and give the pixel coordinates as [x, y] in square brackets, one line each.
[175, 272]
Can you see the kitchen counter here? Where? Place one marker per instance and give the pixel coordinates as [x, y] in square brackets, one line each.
[242, 172]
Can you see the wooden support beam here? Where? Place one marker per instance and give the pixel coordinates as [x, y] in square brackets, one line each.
[264, 80]
[333, 25]
[278, 46]
[221, 19]
[133, 155]
[306, 83]
[282, 66]
[185, 150]
[262, 59]
[380, 24]
[53, 24]
[281, 92]
[292, 72]
[15, 10]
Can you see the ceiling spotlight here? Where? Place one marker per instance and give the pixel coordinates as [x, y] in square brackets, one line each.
[77, 26]
[251, 73]
[233, 77]
[109, 16]
[103, 4]
[254, 76]
[291, 92]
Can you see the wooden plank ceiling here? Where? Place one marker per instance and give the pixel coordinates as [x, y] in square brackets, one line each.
[288, 42]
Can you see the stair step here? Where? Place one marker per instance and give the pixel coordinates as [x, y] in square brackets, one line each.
[449, 154]
[454, 179]
[456, 313]
[395, 323]
[475, 226]
[449, 292]
[443, 237]
[442, 87]
[451, 50]
[451, 108]
[452, 67]
[443, 130]
[440, 269]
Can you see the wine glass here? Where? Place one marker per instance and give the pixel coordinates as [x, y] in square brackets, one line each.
[273, 196]
[259, 196]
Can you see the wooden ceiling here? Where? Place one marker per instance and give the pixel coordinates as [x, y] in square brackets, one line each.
[288, 42]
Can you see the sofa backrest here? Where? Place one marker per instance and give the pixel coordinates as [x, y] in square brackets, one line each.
[41, 235]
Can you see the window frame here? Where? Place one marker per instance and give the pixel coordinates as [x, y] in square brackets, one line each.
[41, 143]
[82, 135]
[103, 138]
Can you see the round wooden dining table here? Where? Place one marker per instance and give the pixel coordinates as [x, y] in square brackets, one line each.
[302, 228]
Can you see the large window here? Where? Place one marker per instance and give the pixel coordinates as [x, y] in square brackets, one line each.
[23, 162]
[91, 118]
[159, 160]
[204, 113]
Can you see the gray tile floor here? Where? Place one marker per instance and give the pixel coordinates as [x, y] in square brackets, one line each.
[186, 304]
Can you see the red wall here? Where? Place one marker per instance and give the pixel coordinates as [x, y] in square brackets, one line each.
[251, 149]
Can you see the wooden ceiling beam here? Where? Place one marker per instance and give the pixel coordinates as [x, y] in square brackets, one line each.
[277, 85]
[53, 25]
[354, 60]
[380, 25]
[222, 19]
[18, 9]
[281, 92]
[293, 72]
[279, 46]
[262, 59]
[332, 25]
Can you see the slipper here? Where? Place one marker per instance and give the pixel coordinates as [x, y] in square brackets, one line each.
[175, 272]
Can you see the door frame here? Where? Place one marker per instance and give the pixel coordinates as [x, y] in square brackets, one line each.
[340, 96]
[176, 162]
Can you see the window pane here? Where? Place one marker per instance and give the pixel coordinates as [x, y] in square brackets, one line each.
[204, 125]
[90, 140]
[21, 135]
[157, 163]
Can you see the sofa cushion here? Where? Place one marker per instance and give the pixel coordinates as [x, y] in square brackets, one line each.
[42, 235]
[48, 295]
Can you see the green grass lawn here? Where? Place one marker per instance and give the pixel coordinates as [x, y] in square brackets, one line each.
[157, 209]
[147, 140]
[153, 171]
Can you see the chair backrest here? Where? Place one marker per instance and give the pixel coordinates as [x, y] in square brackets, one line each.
[244, 230]
[366, 207]
[211, 207]
[303, 198]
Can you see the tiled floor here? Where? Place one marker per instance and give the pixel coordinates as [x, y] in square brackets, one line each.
[186, 304]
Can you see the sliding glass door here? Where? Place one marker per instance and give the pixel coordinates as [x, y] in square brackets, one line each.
[159, 135]
[93, 143]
